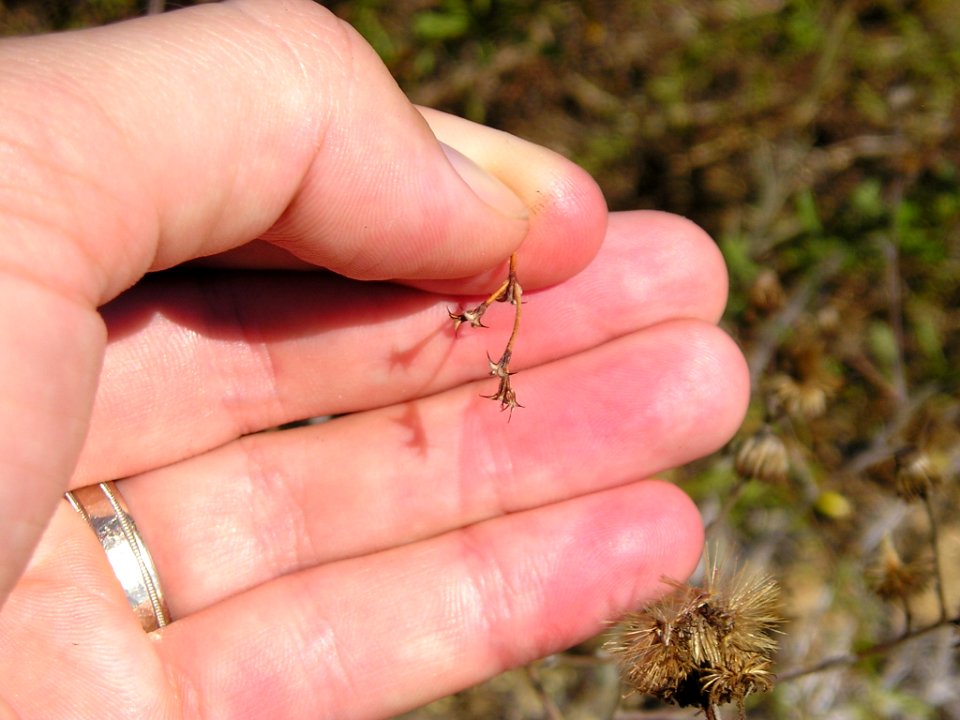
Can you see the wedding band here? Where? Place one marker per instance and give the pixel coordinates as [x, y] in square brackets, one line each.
[106, 513]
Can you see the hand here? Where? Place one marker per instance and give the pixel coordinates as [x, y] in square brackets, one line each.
[363, 566]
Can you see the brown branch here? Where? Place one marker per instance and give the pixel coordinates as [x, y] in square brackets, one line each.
[855, 657]
[937, 564]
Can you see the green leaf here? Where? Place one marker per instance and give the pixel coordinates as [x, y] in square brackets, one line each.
[440, 26]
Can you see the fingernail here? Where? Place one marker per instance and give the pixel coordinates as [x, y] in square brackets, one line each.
[488, 188]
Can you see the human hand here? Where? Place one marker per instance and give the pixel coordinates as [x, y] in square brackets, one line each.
[363, 566]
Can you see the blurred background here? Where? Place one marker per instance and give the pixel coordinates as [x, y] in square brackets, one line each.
[818, 143]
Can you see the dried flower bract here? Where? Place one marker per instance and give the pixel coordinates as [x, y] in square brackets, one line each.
[703, 646]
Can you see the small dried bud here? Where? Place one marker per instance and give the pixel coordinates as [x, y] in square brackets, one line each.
[893, 579]
[763, 456]
[915, 475]
[468, 316]
[766, 293]
[702, 646]
[501, 368]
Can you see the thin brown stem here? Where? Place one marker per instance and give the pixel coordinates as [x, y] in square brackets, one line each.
[937, 565]
[729, 502]
[907, 615]
[549, 706]
[855, 657]
[895, 311]
[498, 294]
[515, 295]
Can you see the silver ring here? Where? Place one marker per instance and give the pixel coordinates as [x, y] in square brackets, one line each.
[106, 513]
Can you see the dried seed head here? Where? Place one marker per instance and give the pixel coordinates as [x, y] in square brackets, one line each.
[505, 395]
[893, 579]
[734, 682]
[702, 646]
[807, 399]
[916, 475]
[763, 456]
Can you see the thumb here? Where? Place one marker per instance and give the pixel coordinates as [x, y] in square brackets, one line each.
[205, 127]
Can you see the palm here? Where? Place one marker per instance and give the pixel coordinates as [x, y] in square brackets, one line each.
[327, 571]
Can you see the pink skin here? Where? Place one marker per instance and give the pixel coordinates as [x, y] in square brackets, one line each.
[361, 567]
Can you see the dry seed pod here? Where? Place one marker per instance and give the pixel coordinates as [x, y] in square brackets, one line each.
[702, 646]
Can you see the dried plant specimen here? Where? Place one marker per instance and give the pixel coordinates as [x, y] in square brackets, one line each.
[511, 292]
[702, 646]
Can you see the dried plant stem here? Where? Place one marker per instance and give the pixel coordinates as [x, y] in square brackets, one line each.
[777, 325]
[513, 293]
[550, 708]
[509, 291]
[937, 565]
[881, 443]
[907, 614]
[895, 310]
[855, 657]
[497, 294]
[730, 501]
[656, 714]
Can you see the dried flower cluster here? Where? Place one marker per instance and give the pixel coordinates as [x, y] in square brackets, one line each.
[805, 399]
[511, 292]
[805, 392]
[703, 646]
